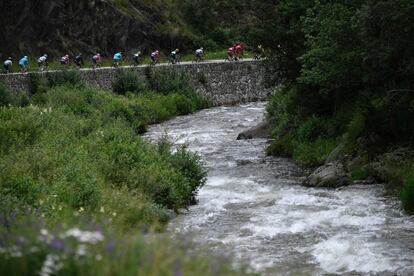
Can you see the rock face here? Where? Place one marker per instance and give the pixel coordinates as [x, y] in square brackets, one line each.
[259, 131]
[53, 26]
[330, 175]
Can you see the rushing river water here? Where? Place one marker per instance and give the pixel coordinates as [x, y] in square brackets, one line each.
[254, 207]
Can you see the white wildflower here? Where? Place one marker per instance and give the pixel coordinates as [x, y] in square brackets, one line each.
[44, 232]
[85, 236]
[51, 265]
[81, 251]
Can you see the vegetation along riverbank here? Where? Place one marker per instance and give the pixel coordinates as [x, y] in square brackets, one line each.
[347, 97]
[79, 185]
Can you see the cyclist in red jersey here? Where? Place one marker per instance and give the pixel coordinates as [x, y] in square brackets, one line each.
[239, 51]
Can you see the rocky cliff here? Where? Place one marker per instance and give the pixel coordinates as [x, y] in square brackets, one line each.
[56, 26]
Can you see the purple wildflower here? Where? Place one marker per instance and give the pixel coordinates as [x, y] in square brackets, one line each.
[57, 244]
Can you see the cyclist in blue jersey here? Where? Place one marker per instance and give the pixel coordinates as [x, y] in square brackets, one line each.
[117, 60]
[24, 64]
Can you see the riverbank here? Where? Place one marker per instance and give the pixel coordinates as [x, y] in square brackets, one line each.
[349, 147]
[79, 185]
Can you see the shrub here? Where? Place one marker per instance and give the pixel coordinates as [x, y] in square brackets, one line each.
[128, 81]
[407, 194]
[313, 153]
[65, 77]
[167, 81]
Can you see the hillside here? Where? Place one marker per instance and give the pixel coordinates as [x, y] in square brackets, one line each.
[59, 26]
[37, 26]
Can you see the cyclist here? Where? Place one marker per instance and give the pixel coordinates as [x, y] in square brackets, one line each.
[64, 60]
[8, 63]
[136, 58]
[117, 60]
[230, 54]
[238, 49]
[199, 55]
[174, 56]
[96, 60]
[79, 61]
[155, 57]
[24, 64]
[42, 62]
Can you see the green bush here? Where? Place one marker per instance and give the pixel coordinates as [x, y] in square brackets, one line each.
[80, 146]
[65, 77]
[128, 81]
[313, 153]
[407, 194]
[167, 81]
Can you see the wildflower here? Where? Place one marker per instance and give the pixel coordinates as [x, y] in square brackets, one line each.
[81, 251]
[58, 244]
[102, 210]
[98, 257]
[81, 209]
[114, 214]
[44, 232]
[51, 265]
[85, 236]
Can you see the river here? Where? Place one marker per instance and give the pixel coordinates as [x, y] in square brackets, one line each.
[254, 208]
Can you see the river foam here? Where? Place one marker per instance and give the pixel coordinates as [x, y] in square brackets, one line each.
[254, 207]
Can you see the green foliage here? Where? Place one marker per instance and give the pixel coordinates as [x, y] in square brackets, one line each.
[65, 77]
[361, 173]
[313, 153]
[32, 248]
[407, 194]
[80, 147]
[127, 81]
[356, 127]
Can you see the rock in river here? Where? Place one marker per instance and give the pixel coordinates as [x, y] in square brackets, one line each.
[330, 175]
[259, 131]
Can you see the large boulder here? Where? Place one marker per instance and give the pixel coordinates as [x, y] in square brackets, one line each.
[259, 131]
[330, 175]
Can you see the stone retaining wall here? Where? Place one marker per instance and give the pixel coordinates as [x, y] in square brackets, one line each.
[223, 83]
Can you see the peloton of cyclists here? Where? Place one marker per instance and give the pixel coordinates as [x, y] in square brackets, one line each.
[234, 53]
[65, 60]
[24, 64]
[174, 56]
[155, 57]
[117, 60]
[199, 55]
[136, 58]
[42, 63]
[7, 64]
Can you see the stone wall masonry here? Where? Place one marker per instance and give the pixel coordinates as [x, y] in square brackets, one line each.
[223, 83]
